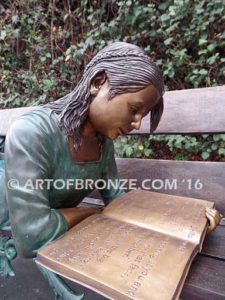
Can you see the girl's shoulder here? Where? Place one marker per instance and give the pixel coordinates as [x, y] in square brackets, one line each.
[38, 120]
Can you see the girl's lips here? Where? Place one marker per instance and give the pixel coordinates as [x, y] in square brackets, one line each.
[122, 131]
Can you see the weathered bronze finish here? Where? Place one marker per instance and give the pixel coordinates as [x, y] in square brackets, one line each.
[141, 244]
[43, 154]
[124, 113]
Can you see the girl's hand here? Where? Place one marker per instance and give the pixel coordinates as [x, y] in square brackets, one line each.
[214, 218]
[75, 215]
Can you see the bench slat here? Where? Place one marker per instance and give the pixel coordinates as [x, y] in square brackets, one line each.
[201, 283]
[189, 175]
[206, 106]
[191, 111]
[214, 243]
[205, 280]
[195, 293]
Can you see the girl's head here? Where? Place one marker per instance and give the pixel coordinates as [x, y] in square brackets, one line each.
[119, 72]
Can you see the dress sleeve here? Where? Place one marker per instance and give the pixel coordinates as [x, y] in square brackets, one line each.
[28, 159]
[110, 176]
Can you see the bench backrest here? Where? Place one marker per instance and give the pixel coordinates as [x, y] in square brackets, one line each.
[191, 111]
[186, 111]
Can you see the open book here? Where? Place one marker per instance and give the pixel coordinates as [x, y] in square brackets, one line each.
[140, 247]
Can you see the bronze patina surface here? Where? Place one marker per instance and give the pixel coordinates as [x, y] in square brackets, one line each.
[142, 244]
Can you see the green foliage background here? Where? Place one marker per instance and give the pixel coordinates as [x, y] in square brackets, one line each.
[44, 46]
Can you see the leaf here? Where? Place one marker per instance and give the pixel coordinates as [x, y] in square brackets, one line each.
[211, 47]
[163, 6]
[205, 136]
[15, 18]
[203, 72]
[205, 155]
[211, 60]
[202, 42]
[90, 41]
[3, 35]
[214, 146]
[129, 151]
[140, 147]
[42, 58]
[123, 139]
[204, 51]
[168, 41]
[180, 156]
[16, 33]
[221, 151]
[222, 137]
[216, 137]
[146, 143]
[65, 17]
[165, 17]
[147, 152]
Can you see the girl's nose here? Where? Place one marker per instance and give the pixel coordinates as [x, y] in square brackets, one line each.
[136, 124]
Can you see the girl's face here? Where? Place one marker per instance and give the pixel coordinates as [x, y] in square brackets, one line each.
[123, 113]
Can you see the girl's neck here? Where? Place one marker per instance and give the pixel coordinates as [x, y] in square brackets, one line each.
[91, 145]
[89, 131]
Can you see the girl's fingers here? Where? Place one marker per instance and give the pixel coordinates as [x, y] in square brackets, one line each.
[213, 217]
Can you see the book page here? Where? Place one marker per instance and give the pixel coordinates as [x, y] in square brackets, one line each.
[181, 217]
[120, 260]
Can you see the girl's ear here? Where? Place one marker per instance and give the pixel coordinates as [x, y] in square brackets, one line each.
[97, 83]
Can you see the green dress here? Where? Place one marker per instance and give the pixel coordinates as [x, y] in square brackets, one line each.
[37, 149]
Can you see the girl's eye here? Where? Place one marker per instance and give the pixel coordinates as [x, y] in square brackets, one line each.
[134, 110]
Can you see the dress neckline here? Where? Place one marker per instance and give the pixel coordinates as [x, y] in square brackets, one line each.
[87, 162]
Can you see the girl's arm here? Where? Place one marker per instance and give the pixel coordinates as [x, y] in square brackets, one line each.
[75, 215]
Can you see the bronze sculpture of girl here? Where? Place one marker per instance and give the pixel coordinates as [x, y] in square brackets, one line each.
[71, 138]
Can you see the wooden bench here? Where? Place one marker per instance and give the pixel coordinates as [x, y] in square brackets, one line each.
[195, 111]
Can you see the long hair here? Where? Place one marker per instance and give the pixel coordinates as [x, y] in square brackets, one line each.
[127, 68]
